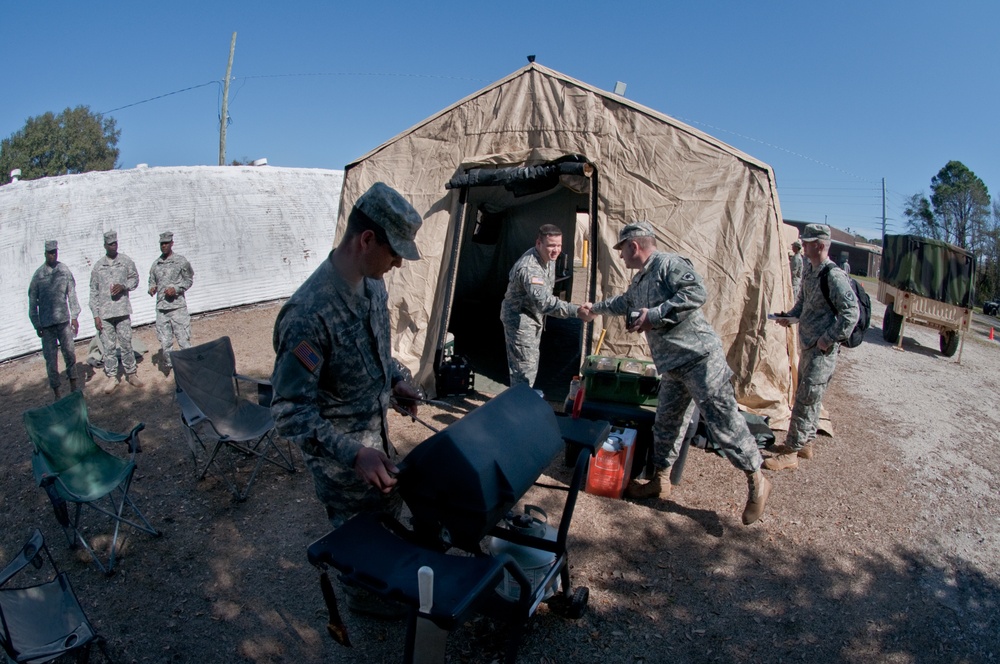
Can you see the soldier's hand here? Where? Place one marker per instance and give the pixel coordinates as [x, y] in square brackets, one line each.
[823, 344]
[171, 292]
[98, 324]
[75, 324]
[38, 331]
[116, 289]
[641, 323]
[152, 290]
[374, 467]
[407, 396]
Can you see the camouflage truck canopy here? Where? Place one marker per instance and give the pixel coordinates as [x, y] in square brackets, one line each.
[929, 268]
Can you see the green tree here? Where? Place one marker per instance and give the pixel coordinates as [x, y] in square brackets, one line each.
[961, 204]
[920, 217]
[75, 141]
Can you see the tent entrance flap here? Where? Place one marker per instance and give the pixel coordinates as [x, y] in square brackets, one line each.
[497, 226]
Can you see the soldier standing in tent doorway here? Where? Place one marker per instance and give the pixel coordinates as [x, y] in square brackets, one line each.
[795, 266]
[334, 374]
[170, 278]
[114, 276]
[819, 330]
[668, 295]
[528, 300]
[54, 312]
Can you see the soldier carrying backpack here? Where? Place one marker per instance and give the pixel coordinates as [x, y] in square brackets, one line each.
[827, 313]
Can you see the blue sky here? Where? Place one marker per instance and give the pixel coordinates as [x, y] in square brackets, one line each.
[834, 96]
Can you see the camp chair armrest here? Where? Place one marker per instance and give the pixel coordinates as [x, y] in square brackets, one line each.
[29, 552]
[42, 653]
[264, 389]
[132, 437]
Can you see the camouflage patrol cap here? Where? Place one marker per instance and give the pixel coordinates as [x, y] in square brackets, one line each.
[813, 232]
[387, 208]
[110, 237]
[166, 236]
[51, 245]
[796, 243]
[633, 230]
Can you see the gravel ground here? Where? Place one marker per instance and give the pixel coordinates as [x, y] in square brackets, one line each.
[884, 548]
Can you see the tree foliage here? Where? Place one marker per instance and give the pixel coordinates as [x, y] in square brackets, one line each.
[75, 141]
[920, 217]
[961, 204]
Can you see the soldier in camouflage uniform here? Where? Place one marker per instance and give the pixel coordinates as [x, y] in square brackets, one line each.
[113, 277]
[528, 300]
[795, 266]
[170, 278]
[54, 312]
[333, 370]
[668, 295]
[819, 331]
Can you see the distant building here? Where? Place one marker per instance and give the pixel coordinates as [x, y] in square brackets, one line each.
[863, 257]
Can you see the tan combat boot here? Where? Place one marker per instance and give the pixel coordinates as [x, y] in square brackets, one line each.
[133, 380]
[785, 458]
[759, 490]
[110, 384]
[652, 488]
[807, 451]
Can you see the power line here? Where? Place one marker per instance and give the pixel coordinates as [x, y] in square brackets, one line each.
[168, 94]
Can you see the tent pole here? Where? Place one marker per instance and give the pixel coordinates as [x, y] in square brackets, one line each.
[592, 287]
[458, 217]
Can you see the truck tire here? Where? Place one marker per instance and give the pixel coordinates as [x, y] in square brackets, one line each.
[949, 343]
[892, 323]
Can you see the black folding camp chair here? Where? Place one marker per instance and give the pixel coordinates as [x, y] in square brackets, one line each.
[217, 419]
[72, 468]
[42, 620]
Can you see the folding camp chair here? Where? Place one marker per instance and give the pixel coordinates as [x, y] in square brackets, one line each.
[212, 409]
[42, 621]
[73, 468]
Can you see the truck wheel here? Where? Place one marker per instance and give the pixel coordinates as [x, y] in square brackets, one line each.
[949, 343]
[892, 323]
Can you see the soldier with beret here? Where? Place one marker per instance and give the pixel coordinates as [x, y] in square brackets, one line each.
[112, 278]
[54, 312]
[668, 295]
[334, 372]
[528, 301]
[170, 277]
[820, 328]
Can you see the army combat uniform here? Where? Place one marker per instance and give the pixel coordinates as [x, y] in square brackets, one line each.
[52, 304]
[114, 311]
[688, 354]
[818, 321]
[795, 266]
[172, 318]
[528, 300]
[333, 374]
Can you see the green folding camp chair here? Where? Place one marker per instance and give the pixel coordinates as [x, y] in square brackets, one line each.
[73, 468]
[42, 620]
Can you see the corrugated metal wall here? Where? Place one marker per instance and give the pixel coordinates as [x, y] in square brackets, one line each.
[252, 234]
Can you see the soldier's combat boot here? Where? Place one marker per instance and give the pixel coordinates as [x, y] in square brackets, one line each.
[57, 390]
[806, 452]
[785, 458]
[110, 384]
[133, 380]
[759, 490]
[652, 488]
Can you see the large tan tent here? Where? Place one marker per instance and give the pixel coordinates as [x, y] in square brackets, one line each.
[539, 147]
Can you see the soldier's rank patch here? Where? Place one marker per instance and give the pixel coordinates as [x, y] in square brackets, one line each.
[537, 281]
[688, 277]
[309, 358]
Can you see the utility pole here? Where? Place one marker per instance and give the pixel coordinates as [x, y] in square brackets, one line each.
[883, 207]
[225, 104]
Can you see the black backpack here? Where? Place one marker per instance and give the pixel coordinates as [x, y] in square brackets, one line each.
[857, 335]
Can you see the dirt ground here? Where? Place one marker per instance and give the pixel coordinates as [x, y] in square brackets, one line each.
[884, 548]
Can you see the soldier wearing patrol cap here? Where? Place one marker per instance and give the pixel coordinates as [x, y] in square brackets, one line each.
[112, 278]
[170, 277]
[820, 328]
[528, 301]
[333, 370]
[795, 267]
[668, 294]
[54, 312]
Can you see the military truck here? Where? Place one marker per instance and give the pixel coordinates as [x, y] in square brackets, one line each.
[926, 282]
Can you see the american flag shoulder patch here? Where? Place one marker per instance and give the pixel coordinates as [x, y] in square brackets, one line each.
[309, 358]
[537, 281]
